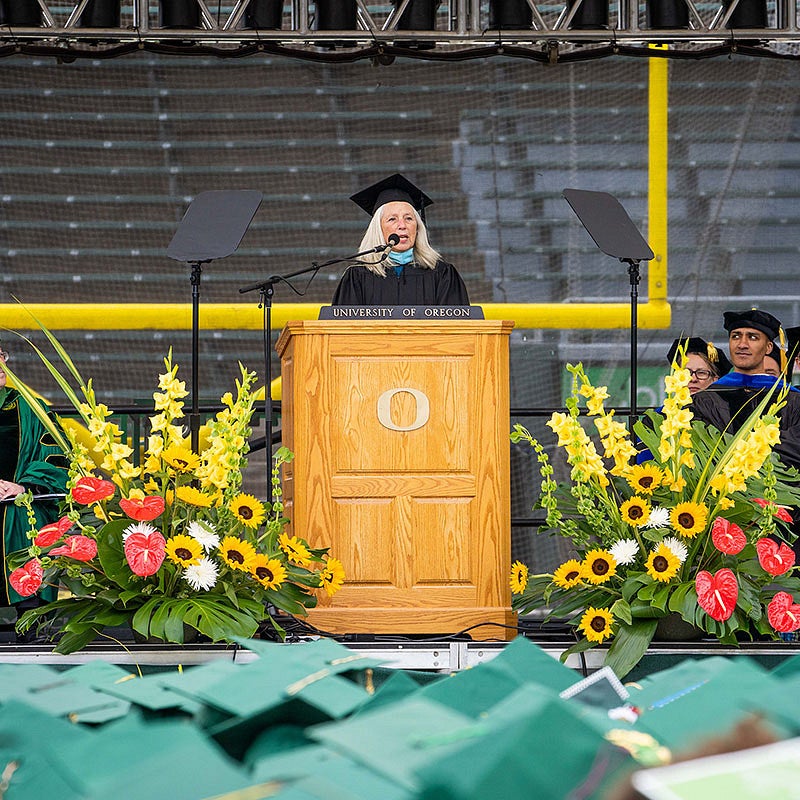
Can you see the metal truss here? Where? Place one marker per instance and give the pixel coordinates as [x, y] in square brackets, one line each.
[462, 28]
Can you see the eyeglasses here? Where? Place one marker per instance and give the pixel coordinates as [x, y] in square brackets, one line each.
[4, 356]
[701, 374]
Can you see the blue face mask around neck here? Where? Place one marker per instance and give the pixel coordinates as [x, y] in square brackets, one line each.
[403, 257]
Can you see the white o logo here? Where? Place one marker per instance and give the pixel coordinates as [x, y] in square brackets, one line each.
[385, 409]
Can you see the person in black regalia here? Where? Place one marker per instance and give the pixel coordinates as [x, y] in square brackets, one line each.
[705, 362]
[728, 402]
[409, 273]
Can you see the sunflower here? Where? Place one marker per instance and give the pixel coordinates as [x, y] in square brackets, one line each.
[635, 511]
[662, 564]
[332, 576]
[689, 518]
[645, 478]
[237, 553]
[596, 624]
[598, 566]
[192, 496]
[269, 572]
[519, 577]
[248, 510]
[295, 550]
[184, 550]
[181, 458]
[569, 574]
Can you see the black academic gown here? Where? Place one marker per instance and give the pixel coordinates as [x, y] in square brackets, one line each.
[415, 286]
[728, 402]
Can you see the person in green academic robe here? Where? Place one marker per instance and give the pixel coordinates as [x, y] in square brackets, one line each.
[30, 460]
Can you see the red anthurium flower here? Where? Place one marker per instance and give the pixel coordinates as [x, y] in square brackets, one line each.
[774, 558]
[780, 512]
[51, 533]
[783, 613]
[145, 552]
[79, 547]
[717, 594]
[727, 536]
[26, 580]
[144, 510]
[90, 490]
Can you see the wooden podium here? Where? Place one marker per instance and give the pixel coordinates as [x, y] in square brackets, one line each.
[400, 432]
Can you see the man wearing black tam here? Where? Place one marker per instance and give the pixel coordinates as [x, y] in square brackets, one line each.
[408, 271]
[728, 402]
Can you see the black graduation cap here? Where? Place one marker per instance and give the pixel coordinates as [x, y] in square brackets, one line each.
[775, 355]
[752, 318]
[390, 190]
[694, 344]
[792, 350]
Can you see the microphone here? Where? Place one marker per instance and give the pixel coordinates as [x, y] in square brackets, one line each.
[391, 242]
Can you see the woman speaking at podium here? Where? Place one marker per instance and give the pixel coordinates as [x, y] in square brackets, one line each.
[397, 265]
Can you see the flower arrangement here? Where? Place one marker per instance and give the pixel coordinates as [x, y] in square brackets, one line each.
[171, 546]
[698, 528]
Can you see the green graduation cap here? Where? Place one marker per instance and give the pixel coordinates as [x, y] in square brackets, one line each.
[324, 774]
[475, 690]
[701, 697]
[301, 683]
[137, 759]
[67, 693]
[149, 692]
[397, 740]
[533, 744]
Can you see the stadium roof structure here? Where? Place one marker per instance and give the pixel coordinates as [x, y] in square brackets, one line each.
[548, 31]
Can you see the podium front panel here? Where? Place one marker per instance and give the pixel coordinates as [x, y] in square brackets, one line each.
[401, 440]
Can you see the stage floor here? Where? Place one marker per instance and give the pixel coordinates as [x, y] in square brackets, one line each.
[438, 656]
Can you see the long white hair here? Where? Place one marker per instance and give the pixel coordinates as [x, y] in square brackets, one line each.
[424, 254]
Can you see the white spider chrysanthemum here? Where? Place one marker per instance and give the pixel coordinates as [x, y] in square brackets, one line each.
[204, 533]
[624, 551]
[138, 527]
[659, 518]
[676, 547]
[202, 575]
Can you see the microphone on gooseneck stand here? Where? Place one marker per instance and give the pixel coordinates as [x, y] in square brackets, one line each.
[392, 241]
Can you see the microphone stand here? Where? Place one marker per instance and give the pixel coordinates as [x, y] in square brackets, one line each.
[266, 289]
[194, 416]
[633, 274]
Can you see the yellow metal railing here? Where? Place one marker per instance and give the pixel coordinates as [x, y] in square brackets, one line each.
[231, 316]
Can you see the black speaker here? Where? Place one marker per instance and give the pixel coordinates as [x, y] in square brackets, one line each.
[179, 14]
[509, 15]
[592, 15]
[420, 15]
[22, 13]
[264, 14]
[663, 14]
[100, 14]
[748, 14]
[336, 15]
